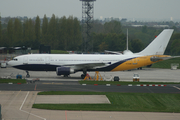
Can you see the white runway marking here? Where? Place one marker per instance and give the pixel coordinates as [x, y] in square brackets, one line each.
[28, 112]
[176, 87]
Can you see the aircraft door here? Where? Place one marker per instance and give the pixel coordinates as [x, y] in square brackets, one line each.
[25, 60]
[47, 60]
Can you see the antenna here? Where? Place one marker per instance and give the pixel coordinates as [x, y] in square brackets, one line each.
[127, 39]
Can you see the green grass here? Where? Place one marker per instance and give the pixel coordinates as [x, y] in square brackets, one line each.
[166, 64]
[58, 52]
[123, 83]
[146, 102]
[14, 81]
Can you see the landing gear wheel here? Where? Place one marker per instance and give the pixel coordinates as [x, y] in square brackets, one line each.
[27, 76]
[83, 76]
[84, 73]
[65, 75]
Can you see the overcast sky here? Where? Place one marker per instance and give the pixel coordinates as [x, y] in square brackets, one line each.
[150, 9]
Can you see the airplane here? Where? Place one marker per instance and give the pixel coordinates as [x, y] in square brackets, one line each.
[66, 64]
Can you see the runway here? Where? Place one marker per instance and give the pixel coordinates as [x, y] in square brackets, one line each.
[60, 86]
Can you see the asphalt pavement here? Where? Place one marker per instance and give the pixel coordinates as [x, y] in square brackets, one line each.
[17, 99]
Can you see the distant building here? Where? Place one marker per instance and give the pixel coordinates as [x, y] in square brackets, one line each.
[107, 19]
[3, 50]
[116, 19]
[137, 25]
[123, 20]
[161, 26]
[19, 50]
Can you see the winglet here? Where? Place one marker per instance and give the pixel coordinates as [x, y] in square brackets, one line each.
[159, 44]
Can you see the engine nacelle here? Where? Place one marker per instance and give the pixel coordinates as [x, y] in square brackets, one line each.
[64, 71]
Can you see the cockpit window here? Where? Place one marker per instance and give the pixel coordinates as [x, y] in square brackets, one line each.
[15, 59]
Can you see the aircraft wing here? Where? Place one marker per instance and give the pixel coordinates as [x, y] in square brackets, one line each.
[86, 65]
[113, 52]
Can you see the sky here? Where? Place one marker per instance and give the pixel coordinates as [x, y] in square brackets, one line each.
[131, 9]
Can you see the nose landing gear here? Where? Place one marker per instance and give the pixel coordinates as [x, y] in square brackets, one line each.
[28, 76]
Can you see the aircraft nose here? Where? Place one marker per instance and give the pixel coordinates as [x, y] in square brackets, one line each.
[9, 63]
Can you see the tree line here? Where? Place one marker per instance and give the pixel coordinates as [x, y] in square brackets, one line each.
[62, 34]
[65, 34]
[59, 33]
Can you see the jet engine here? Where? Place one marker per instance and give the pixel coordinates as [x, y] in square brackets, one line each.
[64, 70]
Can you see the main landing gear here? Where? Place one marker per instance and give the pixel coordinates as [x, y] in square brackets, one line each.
[84, 74]
[28, 76]
[66, 75]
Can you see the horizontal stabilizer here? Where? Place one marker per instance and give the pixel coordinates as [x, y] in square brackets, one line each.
[155, 59]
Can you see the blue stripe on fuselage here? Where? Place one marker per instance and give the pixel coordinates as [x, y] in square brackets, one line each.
[110, 67]
[37, 67]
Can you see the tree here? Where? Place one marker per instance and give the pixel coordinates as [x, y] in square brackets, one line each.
[144, 29]
[26, 26]
[31, 33]
[112, 27]
[98, 39]
[70, 31]
[37, 32]
[136, 45]
[175, 49]
[17, 32]
[0, 32]
[111, 41]
[77, 34]
[63, 33]
[97, 27]
[116, 42]
[103, 46]
[4, 38]
[52, 30]
[10, 41]
[171, 48]
[44, 39]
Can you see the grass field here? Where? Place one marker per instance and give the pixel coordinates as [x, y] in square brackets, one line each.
[14, 81]
[146, 102]
[122, 82]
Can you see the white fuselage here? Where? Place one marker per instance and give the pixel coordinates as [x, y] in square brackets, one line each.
[49, 62]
